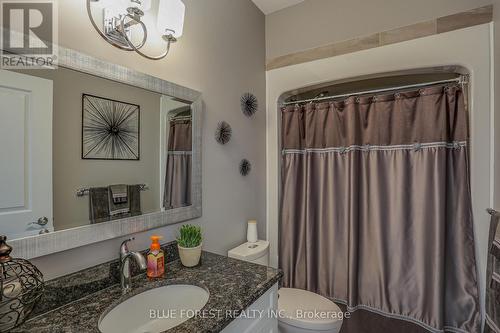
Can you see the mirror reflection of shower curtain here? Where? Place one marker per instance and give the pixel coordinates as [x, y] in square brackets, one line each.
[376, 208]
[178, 173]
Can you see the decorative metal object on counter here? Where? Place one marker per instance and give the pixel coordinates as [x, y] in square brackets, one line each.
[249, 104]
[21, 286]
[223, 133]
[245, 167]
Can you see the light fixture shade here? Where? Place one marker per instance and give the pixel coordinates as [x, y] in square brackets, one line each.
[111, 4]
[107, 3]
[171, 17]
[143, 5]
[113, 8]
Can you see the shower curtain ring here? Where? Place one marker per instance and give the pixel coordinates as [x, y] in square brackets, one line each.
[417, 146]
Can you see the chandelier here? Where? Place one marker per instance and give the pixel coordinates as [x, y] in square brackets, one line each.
[132, 24]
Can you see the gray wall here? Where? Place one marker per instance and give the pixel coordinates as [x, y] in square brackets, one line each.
[222, 54]
[314, 23]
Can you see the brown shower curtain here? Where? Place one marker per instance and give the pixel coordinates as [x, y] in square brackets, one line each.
[376, 209]
[178, 175]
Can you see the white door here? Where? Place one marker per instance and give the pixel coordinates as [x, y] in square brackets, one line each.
[25, 155]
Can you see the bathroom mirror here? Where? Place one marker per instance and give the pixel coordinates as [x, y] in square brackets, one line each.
[95, 150]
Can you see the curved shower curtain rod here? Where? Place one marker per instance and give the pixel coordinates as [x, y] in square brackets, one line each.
[462, 79]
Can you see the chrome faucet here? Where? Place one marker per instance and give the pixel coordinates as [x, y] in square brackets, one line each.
[125, 255]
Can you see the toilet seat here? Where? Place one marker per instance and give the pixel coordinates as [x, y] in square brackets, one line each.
[307, 310]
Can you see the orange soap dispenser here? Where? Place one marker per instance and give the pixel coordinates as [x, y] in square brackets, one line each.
[156, 259]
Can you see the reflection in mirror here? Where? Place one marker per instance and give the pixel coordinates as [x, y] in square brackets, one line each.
[178, 172]
[85, 150]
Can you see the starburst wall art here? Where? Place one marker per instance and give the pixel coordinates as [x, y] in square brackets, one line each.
[110, 129]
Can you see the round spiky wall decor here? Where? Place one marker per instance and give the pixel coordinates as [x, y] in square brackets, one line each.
[245, 167]
[223, 133]
[249, 104]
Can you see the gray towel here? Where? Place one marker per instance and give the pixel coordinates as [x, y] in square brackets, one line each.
[134, 196]
[493, 278]
[119, 194]
[118, 207]
[98, 204]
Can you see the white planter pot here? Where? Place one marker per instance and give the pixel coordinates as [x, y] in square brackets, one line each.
[190, 256]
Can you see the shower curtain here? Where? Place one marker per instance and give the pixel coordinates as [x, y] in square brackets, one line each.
[178, 174]
[493, 276]
[376, 209]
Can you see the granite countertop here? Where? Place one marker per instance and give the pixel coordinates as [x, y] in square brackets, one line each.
[233, 285]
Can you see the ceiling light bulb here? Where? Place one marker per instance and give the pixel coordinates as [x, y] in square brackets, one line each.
[171, 17]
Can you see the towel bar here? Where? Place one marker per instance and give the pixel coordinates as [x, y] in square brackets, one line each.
[85, 190]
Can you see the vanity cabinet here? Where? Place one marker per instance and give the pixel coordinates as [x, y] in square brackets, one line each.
[262, 316]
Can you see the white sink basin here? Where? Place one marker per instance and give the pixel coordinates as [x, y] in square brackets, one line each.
[155, 310]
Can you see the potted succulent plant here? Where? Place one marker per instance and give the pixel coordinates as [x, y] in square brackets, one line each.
[189, 243]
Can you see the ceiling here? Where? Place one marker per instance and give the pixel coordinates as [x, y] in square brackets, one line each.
[269, 6]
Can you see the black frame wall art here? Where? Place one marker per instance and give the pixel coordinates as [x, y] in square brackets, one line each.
[110, 129]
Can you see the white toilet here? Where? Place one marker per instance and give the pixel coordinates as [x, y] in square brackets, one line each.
[258, 253]
[300, 311]
[306, 312]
